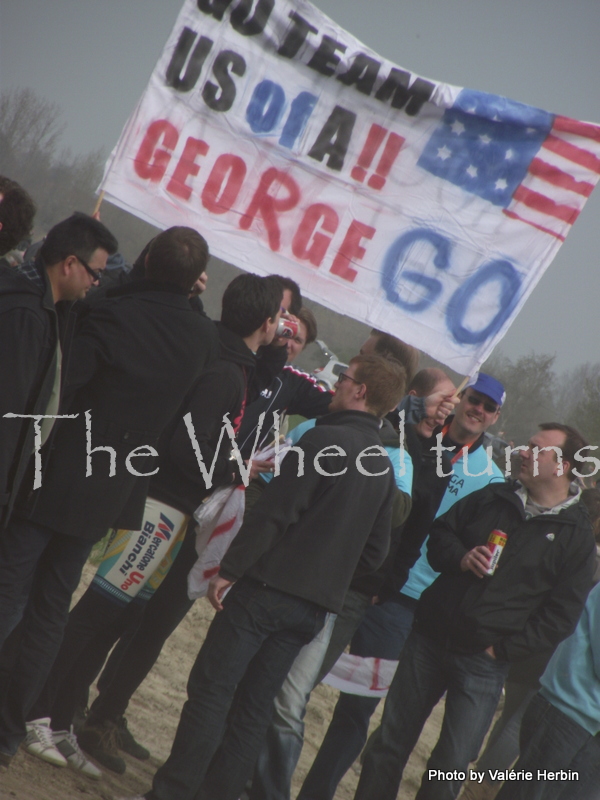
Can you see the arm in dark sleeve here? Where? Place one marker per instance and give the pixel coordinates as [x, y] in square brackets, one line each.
[22, 337]
[270, 360]
[558, 615]
[95, 339]
[212, 396]
[309, 399]
[282, 503]
[378, 544]
[414, 409]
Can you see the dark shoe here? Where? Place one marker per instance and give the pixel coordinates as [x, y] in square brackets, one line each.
[5, 760]
[128, 744]
[100, 741]
[79, 718]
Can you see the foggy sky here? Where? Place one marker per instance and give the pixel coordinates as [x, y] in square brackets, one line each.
[95, 58]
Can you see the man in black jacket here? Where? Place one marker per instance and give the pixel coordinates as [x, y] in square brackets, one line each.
[30, 373]
[472, 622]
[132, 358]
[250, 313]
[292, 561]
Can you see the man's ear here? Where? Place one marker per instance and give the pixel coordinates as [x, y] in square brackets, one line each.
[412, 392]
[67, 264]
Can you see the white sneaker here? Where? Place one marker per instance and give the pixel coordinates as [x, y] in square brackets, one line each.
[67, 746]
[39, 742]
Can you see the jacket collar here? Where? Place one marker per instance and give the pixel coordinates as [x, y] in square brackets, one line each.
[233, 348]
[572, 498]
[570, 511]
[358, 418]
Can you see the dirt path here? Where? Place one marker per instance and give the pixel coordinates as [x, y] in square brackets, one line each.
[153, 716]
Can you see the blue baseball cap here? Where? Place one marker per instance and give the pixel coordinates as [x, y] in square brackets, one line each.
[490, 386]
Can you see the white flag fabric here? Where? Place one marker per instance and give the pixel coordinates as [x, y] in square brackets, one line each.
[365, 676]
[219, 519]
[420, 208]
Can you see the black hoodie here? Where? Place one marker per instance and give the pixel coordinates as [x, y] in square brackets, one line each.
[220, 390]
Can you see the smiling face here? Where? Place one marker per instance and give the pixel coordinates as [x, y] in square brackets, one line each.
[475, 413]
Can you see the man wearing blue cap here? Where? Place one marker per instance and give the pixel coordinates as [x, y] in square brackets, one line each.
[472, 622]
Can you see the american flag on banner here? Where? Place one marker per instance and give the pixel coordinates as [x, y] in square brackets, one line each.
[540, 168]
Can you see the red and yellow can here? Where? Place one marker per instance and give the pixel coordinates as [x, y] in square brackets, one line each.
[496, 541]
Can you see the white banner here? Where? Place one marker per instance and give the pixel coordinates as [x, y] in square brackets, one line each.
[420, 208]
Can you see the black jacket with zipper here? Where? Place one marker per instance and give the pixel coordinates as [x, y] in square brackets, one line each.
[219, 391]
[536, 595]
[310, 534]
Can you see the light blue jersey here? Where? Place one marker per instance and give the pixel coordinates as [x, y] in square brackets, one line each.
[571, 681]
[421, 575]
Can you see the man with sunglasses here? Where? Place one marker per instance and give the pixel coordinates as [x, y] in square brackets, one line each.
[128, 363]
[29, 331]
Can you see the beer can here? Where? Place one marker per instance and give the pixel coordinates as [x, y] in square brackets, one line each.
[287, 328]
[496, 541]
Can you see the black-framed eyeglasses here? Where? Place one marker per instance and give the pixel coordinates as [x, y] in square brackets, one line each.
[343, 376]
[94, 273]
[488, 405]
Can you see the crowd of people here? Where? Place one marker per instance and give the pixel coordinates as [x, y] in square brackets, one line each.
[382, 526]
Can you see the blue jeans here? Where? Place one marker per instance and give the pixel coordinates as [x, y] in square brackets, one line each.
[587, 764]
[279, 756]
[426, 670]
[256, 637]
[502, 748]
[39, 571]
[382, 635]
[549, 741]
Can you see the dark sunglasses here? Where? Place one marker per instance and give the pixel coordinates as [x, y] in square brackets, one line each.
[488, 405]
[94, 273]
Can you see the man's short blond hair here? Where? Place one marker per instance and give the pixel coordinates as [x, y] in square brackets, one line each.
[385, 380]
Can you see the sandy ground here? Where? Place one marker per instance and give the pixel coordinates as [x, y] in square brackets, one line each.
[153, 715]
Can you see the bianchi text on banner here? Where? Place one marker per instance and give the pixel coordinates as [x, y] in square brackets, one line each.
[422, 209]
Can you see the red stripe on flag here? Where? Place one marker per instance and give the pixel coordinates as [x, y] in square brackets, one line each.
[559, 178]
[575, 154]
[512, 215]
[568, 125]
[209, 573]
[222, 528]
[539, 202]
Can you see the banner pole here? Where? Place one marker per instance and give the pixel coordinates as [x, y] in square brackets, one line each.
[98, 203]
[463, 383]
